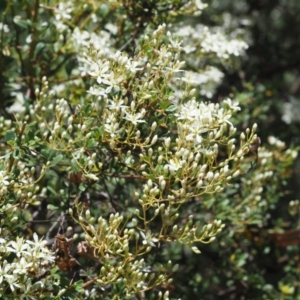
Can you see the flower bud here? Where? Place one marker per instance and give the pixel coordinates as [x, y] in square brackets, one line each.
[153, 126]
[167, 142]
[154, 140]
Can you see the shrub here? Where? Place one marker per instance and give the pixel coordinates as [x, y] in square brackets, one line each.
[110, 146]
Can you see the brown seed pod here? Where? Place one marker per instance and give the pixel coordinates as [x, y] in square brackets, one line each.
[76, 177]
[64, 260]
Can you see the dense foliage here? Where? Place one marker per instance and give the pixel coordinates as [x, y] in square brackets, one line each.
[139, 158]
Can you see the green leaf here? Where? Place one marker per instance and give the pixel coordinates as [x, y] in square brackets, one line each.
[50, 189]
[171, 108]
[175, 268]
[57, 159]
[22, 23]
[39, 48]
[74, 165]
[52, 207]
[16, 153]
[91, 143]
[10, 136]
[82, 187]
[31, 135]
[78, 286]
[53, 270]
[87, 109]
[32, 143]
[31, 124]
[11, 143]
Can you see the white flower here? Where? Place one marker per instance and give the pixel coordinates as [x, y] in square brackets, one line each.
[97, 91]
[174, 165]
[19, 247]
[291, 111]
[13, 282]
[19, 103]
[132, 66]
[39, 250]
[80, 38]
[112, 81]
[134, 118]
[148, 239]
[4, 27]
[207, 81]
[98, 71]
[21, 267]
[63, 12]
[111, 27]
[115, 104]
[200, 5]
[102, 41]
[3, 178]
[176, 43]
[60, 26]
[232, 105]
[113, 129]
[5, 273]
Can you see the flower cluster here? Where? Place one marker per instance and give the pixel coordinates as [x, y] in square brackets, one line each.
[127, 122]
[25, 274]
[255, 194]
[120, 262]
[63, 12]
[202, 42]
[206, 81]
[211, 42]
